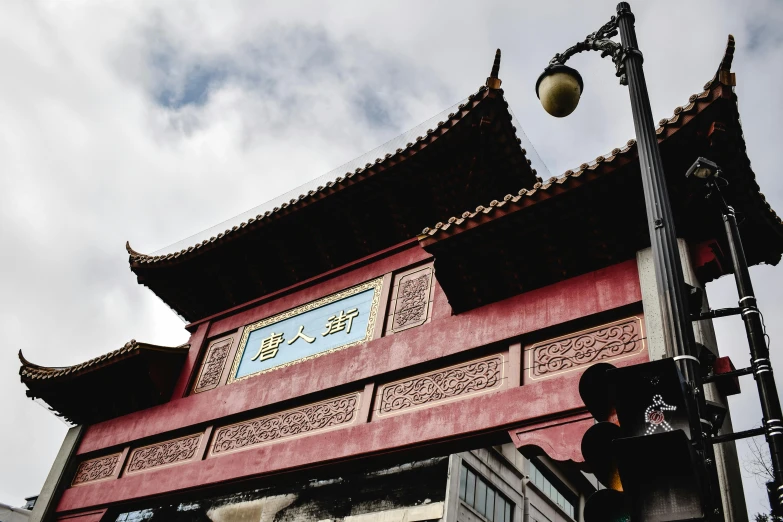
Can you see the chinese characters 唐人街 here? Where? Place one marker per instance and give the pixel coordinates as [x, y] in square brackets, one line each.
[341, 322]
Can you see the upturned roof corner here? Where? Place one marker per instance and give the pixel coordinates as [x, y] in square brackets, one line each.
[88, 392]
[31, 371]
[133, 254]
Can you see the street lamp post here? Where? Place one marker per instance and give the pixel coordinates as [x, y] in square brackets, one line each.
[559, 88]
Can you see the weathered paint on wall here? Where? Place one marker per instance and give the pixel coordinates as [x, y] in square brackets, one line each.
[470, 421]
[445, 335]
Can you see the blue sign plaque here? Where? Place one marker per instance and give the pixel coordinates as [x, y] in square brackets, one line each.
[332, 323]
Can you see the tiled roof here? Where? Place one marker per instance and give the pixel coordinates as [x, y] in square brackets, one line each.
[381, 163]
[554, 181]
[33, 372]
[667, 126]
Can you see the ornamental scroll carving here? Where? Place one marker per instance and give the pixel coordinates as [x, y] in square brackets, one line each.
[454, 382]
[96, 469]
[213, 365]
[297, 422]
[163, 454]
[618, 339]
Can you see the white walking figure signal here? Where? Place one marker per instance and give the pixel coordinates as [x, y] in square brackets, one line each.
[654, 416]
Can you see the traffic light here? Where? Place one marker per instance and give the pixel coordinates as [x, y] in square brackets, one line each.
[639, 448]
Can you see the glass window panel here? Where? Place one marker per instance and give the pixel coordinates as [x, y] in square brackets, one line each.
[471, 488]
[463, 481]
[551, 490]
[491, 505]
[481, 497]
[500, 507]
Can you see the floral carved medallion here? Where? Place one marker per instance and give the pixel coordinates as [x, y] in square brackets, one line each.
[213, 365]
[412, 300]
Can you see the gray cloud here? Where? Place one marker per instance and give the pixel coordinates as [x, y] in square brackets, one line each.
[149, 122]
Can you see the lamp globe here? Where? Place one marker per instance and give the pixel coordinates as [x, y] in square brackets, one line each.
[559, 88]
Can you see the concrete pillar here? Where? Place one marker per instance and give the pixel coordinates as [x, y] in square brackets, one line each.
[727, 462]
[55, 481]
[452, 489]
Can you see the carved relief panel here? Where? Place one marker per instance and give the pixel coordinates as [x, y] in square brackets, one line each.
[575, 351]
[411, 299]
[213, 365]
[452, 383]
[297, 422]
[163, 454]
[93, 470]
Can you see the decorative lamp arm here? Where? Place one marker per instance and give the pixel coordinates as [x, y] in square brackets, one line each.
[598, 41]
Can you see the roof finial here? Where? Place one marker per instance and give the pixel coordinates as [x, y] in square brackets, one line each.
[132, 252]
[728, 56]
[725, 76]
[493, 82]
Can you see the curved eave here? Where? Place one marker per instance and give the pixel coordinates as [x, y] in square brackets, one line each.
[134, 377]
[138, 260]
[31, 372]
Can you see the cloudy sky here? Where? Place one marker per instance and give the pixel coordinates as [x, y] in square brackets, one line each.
[149, 121]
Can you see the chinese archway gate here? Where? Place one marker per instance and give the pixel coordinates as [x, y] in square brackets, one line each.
[371, 341]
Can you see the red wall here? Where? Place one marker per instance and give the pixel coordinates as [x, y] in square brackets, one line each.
[572, 299]
[502, 322]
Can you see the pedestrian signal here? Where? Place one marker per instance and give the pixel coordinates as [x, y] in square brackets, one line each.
[639, 449]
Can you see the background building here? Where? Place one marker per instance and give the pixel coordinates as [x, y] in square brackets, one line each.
[15, 514]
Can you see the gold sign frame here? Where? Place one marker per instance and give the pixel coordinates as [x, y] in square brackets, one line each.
[375, 284]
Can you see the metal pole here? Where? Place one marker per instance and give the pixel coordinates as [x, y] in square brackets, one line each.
[675, 317]
[759, 353]
[677, 328]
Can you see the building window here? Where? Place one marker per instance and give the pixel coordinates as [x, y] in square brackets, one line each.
[483, 497]
[550, 490]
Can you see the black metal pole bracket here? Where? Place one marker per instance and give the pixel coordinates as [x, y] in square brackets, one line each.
[600, 41]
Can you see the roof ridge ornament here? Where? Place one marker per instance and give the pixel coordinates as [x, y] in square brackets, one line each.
[25, 362]
[728, 56]
[493, 82]
[725, 76]
[132, 252]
